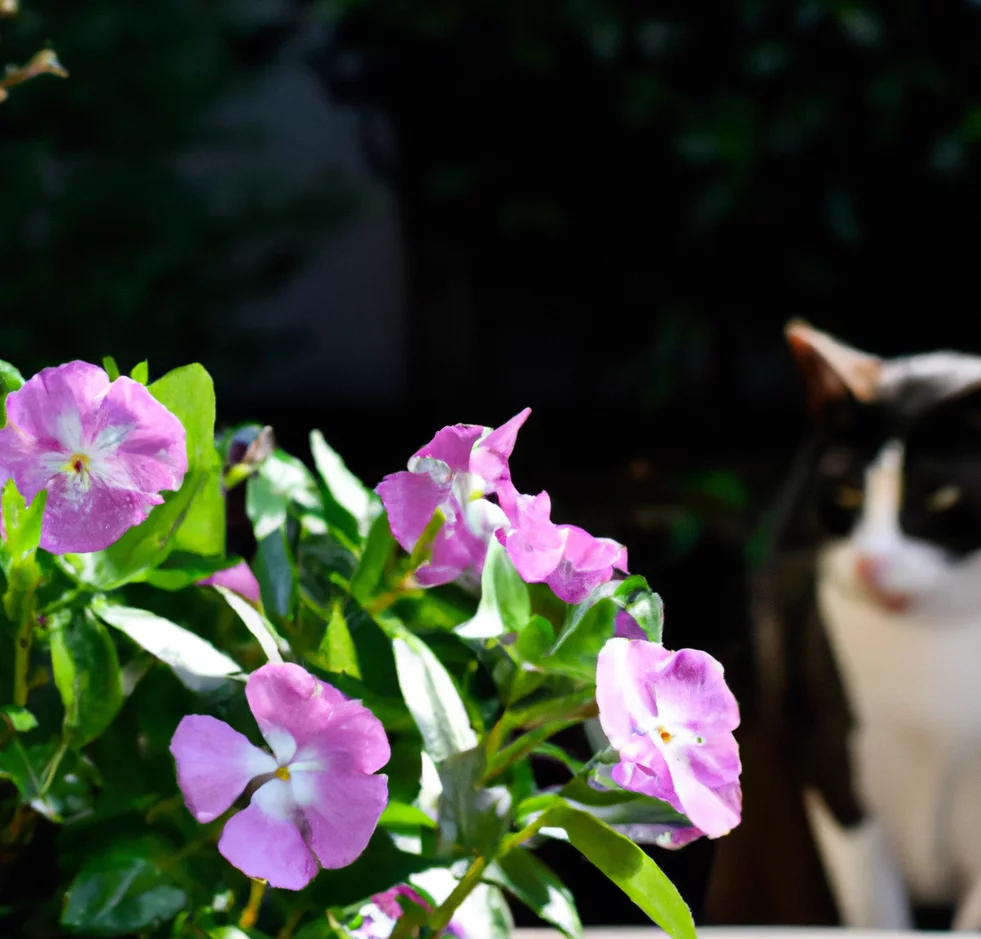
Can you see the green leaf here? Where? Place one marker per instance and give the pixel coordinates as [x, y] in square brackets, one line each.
[276, 572]
[195, 661]
[430, 695]
[181, 570]
[646, 607]
[575, 652]
[470, 816]
[22, 524]
[280, 481]
[505, 606]
[627, 865]
[402, 815]
[192, 519]
[271, 642]
[351, 495]
[141, 372]
[10, 380]
[121, 893]
[20, 719]
[534, 640]
[87, 674]
[112, 369]
[535, 885]
[369, 576]
[337, 649]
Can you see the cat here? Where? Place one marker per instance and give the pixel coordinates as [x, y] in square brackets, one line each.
[867, 734]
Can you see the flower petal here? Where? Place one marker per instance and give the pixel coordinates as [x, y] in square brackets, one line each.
[291, 706]
[214, 764]
[626, 627]
[239, 579]
[586, 563]
[652, 779]
[489, 459]
[264, 840]
[692, 692]
[707, 808]
[136, 441]
[410, 499]
[88, 515]
[341, 811]
[534, 544]
[55, 404]
[452, 445]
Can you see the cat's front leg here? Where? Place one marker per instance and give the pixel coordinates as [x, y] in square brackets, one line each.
[862, 869]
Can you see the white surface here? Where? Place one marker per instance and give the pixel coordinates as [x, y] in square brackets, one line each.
[726, 932]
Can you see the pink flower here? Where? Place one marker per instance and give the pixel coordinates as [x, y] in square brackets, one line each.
[452, 473]
[671, 716]
[571, 561]
[239, 579]
[103, 451]
[315, 800]
[383, 912]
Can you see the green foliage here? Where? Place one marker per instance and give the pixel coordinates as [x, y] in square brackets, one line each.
[113, 649]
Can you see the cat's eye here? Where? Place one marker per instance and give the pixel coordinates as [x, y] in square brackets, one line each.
[848, 497]
[944, 498]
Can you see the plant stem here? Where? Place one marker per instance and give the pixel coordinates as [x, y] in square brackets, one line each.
[22, 646]
[52, 769]
[292, 921]
[522, 747]
[441, 916]
[257, 889]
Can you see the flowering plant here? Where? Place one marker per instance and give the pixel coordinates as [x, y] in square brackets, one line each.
[339, 735]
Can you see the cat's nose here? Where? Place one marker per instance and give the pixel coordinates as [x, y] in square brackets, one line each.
[870, 573]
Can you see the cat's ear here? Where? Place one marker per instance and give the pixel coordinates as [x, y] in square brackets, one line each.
[832, 371]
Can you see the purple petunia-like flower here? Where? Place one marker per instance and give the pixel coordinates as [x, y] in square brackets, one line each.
[571, 561]
[103, 451]
[383, 912]
[315, 799]
[452, 473]
[670, 715]
[239, 579]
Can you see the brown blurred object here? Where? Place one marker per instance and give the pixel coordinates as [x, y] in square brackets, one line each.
[44, 62]
[767, 872]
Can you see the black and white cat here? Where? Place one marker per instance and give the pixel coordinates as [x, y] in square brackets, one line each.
[869, 632]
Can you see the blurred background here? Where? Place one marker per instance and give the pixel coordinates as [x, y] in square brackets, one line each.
[378, 217]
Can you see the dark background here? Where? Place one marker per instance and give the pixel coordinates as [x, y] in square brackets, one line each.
[384, 216]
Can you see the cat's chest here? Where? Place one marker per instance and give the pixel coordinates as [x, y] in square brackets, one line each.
[915, 688]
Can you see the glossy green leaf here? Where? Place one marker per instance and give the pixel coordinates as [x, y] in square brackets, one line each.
[471, 816]
[86, 672]
[141, 372]
[195, 661]
[627, 865]
[281, 480]
[121, 893]
[191, 519]
[575, 652]
[337, 648]
[276, 572]
[351, 495]
[18, 718]
[431, 697]
[505, 606]
[536, 885]
[401, 815]
[268, 637]
[636, 597]
[10, 380]
[112, 369]
[22, 524]
[378, 550]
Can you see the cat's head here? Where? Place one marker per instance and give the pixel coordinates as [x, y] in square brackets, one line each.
[892, 494]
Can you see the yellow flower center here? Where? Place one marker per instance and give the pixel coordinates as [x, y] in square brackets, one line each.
[283, 773]
[78, 463]
[665, 735]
